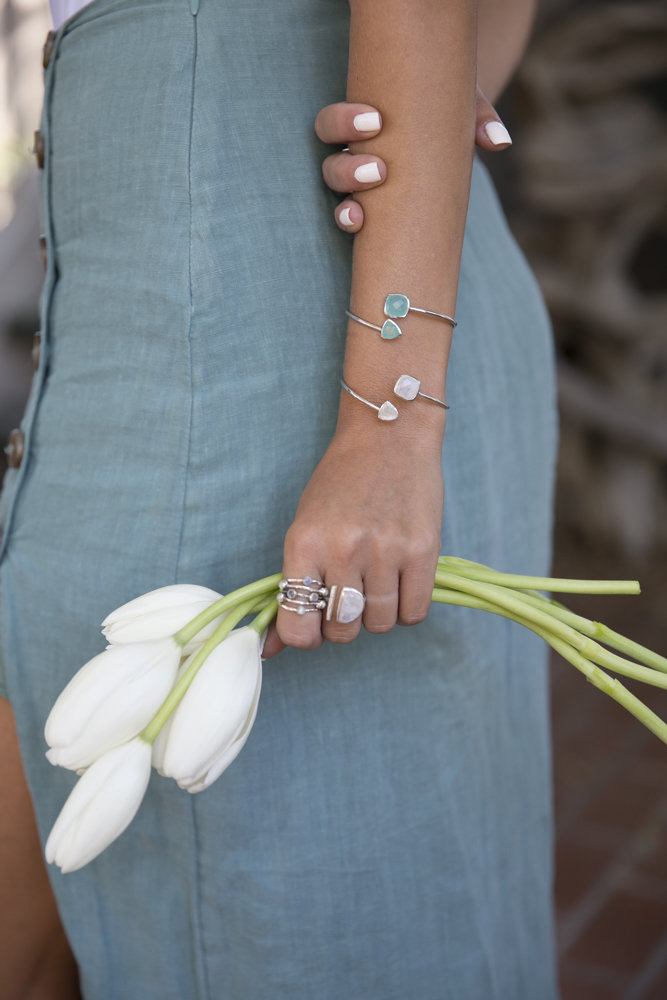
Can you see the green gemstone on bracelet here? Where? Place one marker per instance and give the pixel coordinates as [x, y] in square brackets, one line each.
[396, 306]
[390, 330]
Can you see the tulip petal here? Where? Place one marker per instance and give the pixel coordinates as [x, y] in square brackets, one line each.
[89, 686]
[101, 806]
[215, 707]
[164, 597]
[214, 768]
[160, 624]
[110, 700]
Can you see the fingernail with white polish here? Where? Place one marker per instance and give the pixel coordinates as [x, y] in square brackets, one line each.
[497, 133]
[344, 218]
[367, 173]
[369, 121]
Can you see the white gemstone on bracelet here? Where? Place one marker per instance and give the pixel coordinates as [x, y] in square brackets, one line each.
[387, 411]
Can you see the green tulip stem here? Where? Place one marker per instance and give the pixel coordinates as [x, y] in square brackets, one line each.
[596, 630]
[596, 676]
[265, 617]
[462, 582]
[603, 682]
[261, 604]
[259, 588]
[606, 659]
[183, 683]
[612, 687]
[519, 608]
[484, 574]
[509, 599]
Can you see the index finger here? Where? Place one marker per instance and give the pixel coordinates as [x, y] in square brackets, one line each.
[343, 122]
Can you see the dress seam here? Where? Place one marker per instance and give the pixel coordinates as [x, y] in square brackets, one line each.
[203, 991]
[179, 544]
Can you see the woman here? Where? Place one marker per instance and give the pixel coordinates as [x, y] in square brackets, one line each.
[386, 831]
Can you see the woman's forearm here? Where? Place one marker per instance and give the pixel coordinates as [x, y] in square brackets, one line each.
[416, 62]
[370, 516]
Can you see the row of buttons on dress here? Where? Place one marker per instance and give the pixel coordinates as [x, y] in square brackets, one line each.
[16, 442]
[47, 52]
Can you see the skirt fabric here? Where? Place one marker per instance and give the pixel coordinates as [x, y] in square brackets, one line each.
[386, 832]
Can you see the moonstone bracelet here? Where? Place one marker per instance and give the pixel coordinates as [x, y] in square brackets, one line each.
[387, 411]
[407, 387]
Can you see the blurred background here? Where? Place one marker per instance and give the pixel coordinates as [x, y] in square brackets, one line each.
[585, 188]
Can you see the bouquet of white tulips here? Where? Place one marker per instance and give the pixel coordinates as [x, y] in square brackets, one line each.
[178, 686]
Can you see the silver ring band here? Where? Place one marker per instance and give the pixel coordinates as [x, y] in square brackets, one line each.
[302, 594]
[300, 581]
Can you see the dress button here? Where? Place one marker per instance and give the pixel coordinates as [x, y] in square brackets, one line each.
[14, 449]
[36, 349]
[39, 149]
[47, 51]
[42, 250]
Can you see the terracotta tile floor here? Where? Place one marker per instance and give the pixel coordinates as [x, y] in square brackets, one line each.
[610, 777]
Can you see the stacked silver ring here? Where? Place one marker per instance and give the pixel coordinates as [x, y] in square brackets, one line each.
[302, 594]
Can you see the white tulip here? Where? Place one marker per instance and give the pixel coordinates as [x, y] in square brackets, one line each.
[160, 613]
[213, 721]
[101, 805]
[213, 768]
[110, 700]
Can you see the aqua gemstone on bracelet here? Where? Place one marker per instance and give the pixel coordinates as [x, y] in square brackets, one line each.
[396, 306]
[390, 330]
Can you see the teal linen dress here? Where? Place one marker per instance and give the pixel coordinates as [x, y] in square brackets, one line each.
[386, 832]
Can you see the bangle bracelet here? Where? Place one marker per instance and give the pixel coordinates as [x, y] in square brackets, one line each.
[388, 331]
[396, 306]
[407, 387]
[385, 412]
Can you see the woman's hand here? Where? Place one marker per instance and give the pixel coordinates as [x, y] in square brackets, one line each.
[343, 172]
[369, 518]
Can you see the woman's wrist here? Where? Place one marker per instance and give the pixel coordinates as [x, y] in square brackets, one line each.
[419, 426]
[405, 376]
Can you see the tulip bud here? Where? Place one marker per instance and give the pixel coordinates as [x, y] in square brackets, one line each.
[213, 721]
[160, 613]
[110, 700]
[101, 805]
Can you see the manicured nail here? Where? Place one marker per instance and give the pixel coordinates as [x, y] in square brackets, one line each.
[369, 121]
[344, 217]
[367, 173]
[497, 133]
